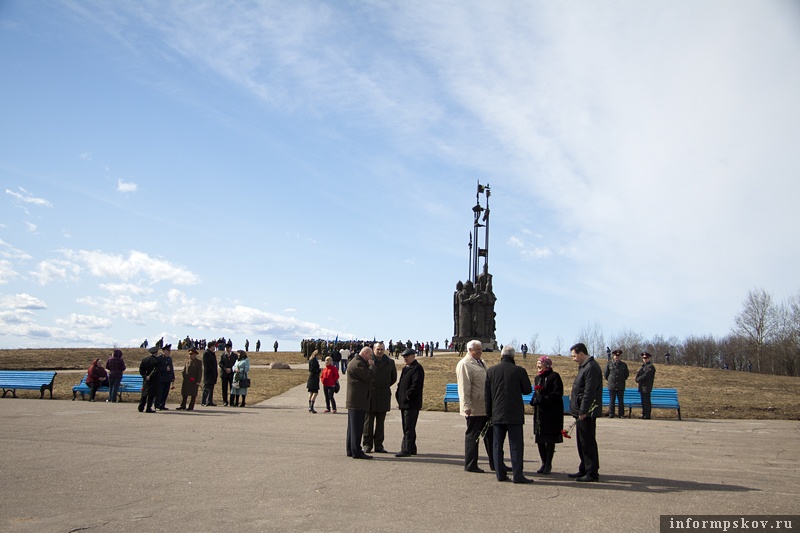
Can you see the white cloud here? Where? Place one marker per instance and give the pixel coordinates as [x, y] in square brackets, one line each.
[86, 156]
[31, 227]
[124, 306]
[27, 198]
[122, 288]
[7, 272]
[10, 252]
[126, 187]
[84, 321]
[22, 301]
[55, 270]
[137, 264]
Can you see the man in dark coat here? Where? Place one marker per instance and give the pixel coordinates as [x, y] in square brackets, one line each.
[166, 377]
[645, 377]
[585, 403]
[359, 389]
[209, 374]
[505, 384]
[409, 400]
[384, 375]
[226, 361]
[616, 373]
[148, 369]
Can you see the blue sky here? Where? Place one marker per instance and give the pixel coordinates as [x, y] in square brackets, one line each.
[280, 170]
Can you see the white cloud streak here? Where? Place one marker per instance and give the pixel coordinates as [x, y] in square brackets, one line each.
[25, 197]
[126, 187]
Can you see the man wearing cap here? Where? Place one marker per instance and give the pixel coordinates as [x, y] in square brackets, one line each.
[645, 377]
[505, 384]
[192, 374]
[148, 369]
[409, 400]
[209, 374]
[471, 377]
[585, 404]
[384, 375]
[166, 377]
[359, 389]
[226, 361]
[616, 373]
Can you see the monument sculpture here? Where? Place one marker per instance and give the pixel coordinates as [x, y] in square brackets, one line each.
[474, 299]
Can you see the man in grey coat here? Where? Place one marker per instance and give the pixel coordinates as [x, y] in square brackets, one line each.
[585, 403]
[384, 375]
[616, 373]
[505, 384]
[359, 389]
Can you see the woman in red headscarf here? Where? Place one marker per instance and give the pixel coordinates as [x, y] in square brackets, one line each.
[96, 377]
[548, 412]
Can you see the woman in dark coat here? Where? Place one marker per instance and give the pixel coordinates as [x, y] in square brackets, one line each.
[313, 380]
[96, 377]
[548, 412]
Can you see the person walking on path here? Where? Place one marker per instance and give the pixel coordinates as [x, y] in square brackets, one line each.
[329, 378]
[384, 375]
[585, 402]
[505, 384]
[471, 377]
[115, 366]
[409, 400]
[313, 380]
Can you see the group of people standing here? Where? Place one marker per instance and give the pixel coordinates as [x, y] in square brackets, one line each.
[616, 373]
[158, 376]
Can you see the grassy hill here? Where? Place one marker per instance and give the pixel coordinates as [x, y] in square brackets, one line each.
[703, 392]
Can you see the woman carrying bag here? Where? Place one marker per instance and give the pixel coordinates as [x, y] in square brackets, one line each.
[240, 380]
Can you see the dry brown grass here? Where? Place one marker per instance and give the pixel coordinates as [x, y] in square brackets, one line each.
[703, 392]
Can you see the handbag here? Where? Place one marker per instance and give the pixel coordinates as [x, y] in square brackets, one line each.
[244, 382]
[336, 387]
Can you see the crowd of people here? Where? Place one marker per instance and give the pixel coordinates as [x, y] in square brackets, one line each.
[490, 399]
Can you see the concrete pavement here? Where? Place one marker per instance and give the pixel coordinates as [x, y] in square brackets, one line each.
[69, 466]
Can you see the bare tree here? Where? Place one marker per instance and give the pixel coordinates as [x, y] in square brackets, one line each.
[558, 346]
[701, 351]
[630, 342]
[592, 336]
[757, 322]
[534, 346]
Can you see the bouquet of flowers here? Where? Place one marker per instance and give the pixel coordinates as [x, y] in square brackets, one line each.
[486, 427]
[567, 433]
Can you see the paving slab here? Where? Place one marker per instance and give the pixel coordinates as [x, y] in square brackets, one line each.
[79, 466]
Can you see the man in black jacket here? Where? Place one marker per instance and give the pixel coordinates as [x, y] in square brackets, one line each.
[505, 384]
[226, 361]
[409, 400]
[616, 373]
[150, 384]
[384, 375]
[585, 404]
[645, 377]
[209, 374]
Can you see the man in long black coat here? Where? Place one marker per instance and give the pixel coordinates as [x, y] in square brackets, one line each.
[505, 384]
[359, 389]
[586, 404]
[384, 375]
[209, 374]
[645, 378]
[148, 369]
[409, 400]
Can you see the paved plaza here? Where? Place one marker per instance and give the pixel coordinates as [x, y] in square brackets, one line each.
[79, 466]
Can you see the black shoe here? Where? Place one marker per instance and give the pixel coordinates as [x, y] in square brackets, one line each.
[180, 408]
[576, 475]
[363, 456]
[211, 405]
[402, 454]
[475, 470]
[367, 449]
[523, 480]
[504, 479]
[381, 450]
[224, 404]
[150, 411]
[541, 470]
[588, 479]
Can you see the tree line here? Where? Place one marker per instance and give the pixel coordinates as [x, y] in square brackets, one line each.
[765, 338]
